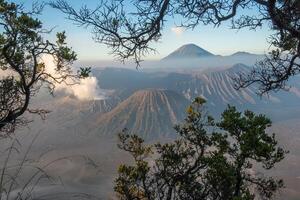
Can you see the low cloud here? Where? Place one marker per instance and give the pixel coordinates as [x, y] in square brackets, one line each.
[178, 30]
[86, 89]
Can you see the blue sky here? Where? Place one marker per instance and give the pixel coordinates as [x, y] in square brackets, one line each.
[221, 40]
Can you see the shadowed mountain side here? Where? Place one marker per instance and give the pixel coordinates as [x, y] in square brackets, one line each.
[216, 85]
[151, 113]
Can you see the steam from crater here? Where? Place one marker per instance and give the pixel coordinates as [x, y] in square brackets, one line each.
[84, 89]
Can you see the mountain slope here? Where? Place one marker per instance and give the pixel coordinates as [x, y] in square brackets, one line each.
[150, 113]
[188, 51]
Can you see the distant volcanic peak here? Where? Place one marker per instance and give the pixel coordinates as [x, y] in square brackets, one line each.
[189, 51]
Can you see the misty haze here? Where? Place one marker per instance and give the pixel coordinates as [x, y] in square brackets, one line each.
[150, 100]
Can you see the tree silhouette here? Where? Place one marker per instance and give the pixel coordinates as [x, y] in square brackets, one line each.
[22, 48]
[130, 32]
[209, 160]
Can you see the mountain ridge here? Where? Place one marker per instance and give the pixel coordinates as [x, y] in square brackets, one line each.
[149, 112]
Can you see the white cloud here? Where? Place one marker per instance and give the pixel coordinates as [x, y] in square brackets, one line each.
[86, 89]
[178, 30]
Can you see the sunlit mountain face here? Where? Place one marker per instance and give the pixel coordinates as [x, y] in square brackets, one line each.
[152, 113]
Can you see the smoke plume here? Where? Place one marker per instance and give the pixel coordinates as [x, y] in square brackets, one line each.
[86, 89]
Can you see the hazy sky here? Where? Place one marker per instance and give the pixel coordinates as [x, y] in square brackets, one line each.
[221, 40]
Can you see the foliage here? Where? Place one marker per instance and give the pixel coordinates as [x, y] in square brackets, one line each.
[209, 160]
[22, 53]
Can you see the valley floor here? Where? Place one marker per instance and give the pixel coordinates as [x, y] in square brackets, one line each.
[96, 176]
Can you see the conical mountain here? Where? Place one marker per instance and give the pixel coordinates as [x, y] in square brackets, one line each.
[188, 51]
[151, 113]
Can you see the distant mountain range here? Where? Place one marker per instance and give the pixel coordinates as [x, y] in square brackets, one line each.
[150, 103]
[191, 56]
[216, 85]
[192, 51]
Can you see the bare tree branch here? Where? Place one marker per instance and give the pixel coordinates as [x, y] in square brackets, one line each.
[130, 34]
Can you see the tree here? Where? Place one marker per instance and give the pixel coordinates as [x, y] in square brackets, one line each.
[22, 48]
[130, 32]
[209, 160]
